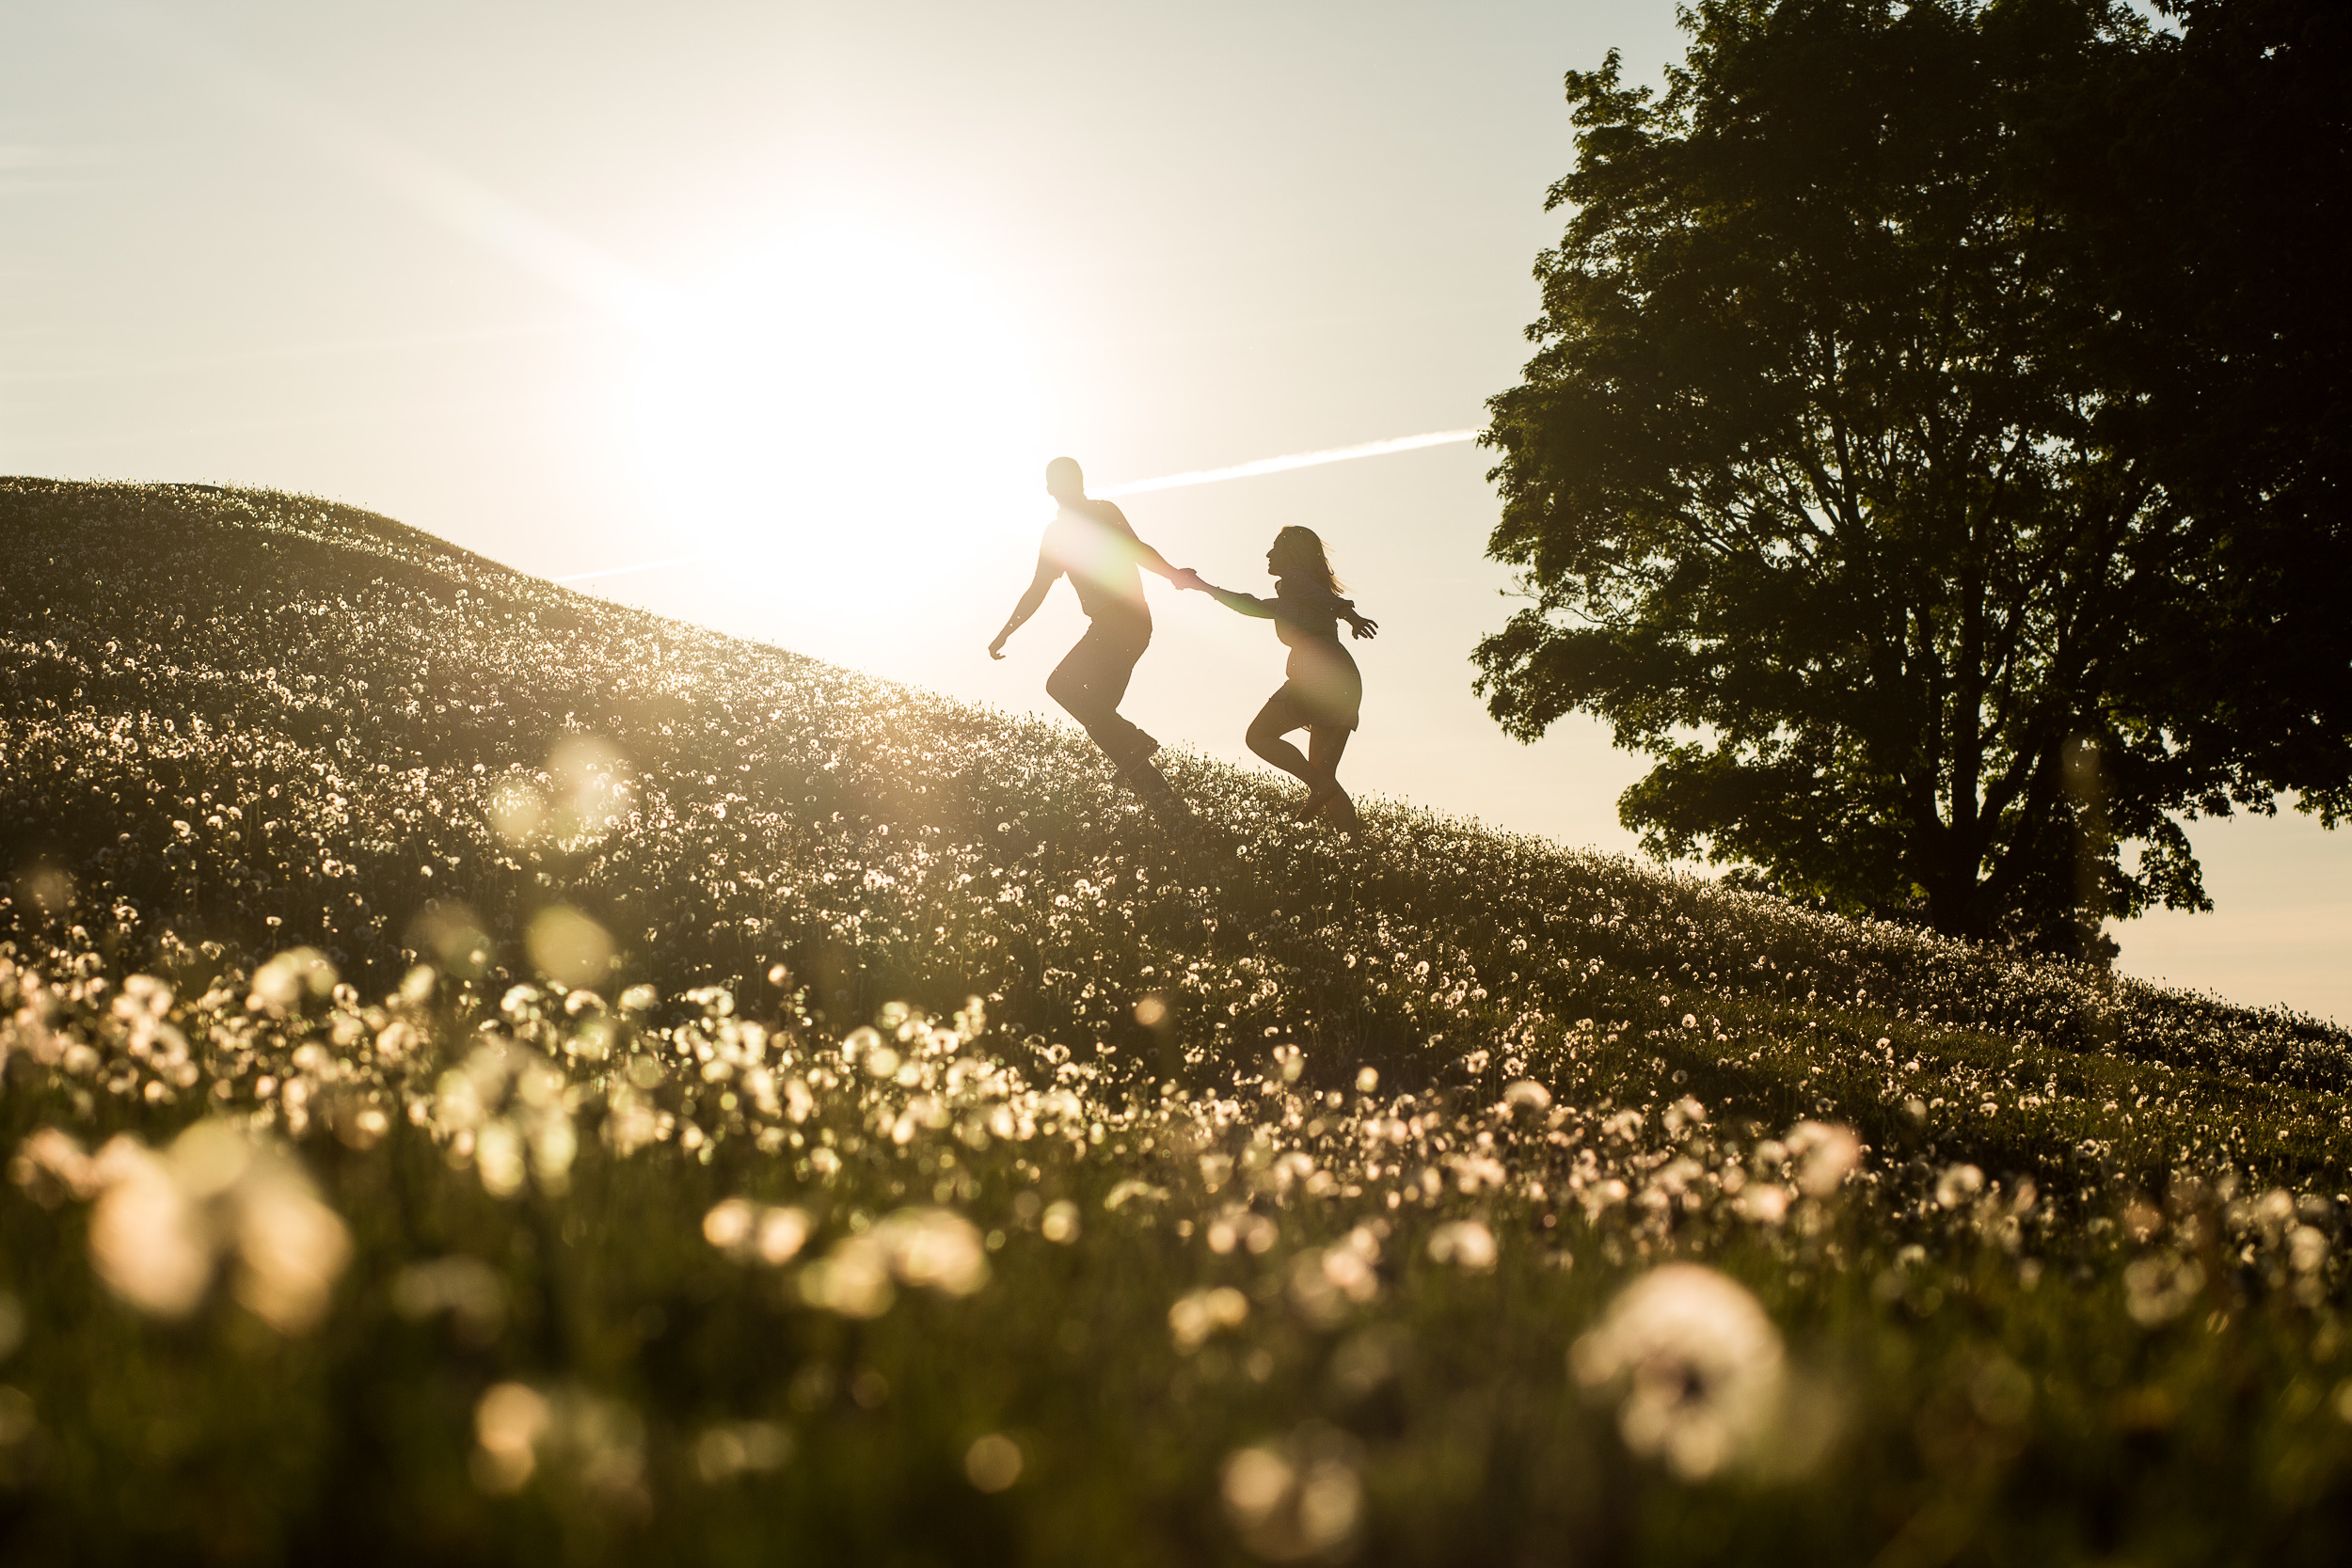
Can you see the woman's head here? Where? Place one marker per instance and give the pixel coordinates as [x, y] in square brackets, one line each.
[1299, 553]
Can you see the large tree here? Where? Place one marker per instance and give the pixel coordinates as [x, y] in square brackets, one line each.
[1859, 476]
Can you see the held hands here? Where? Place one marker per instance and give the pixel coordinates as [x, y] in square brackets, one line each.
[1185, 577]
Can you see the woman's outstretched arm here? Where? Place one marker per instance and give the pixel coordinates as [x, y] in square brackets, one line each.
[1240, 604]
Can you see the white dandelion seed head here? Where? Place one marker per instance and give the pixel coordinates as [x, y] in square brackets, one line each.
[2307, 1249]
[992, 1463]
[852, 1280]
[1956, 1185]
[1696, 1365]
[1297, 1499]
[291, 1248]
[781, 1233]
[936, 1249]
[151, 1247]
[281, 985]
[1765, 1202]
[163, 1223]
[1196, 1317]
[728, 1224]
[1466, 1245]
[1826, 1153]
[2160, 1287]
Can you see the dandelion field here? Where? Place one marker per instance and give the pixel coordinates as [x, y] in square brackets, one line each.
[486, 1075]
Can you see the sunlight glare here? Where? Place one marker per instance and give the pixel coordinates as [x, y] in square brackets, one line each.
[848, 425]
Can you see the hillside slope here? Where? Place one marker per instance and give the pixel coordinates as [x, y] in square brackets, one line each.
[365, 698]
[233, 724]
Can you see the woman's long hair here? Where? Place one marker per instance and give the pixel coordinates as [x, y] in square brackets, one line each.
[1299, 553]
[1300, 549]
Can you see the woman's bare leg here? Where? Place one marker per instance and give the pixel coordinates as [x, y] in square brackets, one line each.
[1326, 744]
[1264, 738]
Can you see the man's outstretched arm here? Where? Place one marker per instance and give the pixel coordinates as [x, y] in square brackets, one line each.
[1046, 574]
[1151, 560]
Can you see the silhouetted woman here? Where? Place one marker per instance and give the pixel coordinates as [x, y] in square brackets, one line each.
[1324, 689]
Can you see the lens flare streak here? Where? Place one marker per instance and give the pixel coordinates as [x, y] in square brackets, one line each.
[1284, 464]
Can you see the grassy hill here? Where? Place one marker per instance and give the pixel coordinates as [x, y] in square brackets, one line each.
[489, 1073]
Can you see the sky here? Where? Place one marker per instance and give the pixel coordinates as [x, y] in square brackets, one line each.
[798, 299]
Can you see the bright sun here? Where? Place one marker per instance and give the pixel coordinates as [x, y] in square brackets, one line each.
[848, 421]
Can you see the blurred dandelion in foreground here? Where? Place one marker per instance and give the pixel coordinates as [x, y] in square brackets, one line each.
[452, 935]
[1825, 1154]
[1466, 1245]
[2307, 1249]
[741, 1447]
[1367, 1359]
[281, 985]
[1327, 1282]
[2159, 1288]
[466, 1289]
[1699, 1364]
[1198, 1316]
[936, 1249]
[162, 1221]
[52, 1165]
[781, 1234]
[290, 1245]
[1295, 1499]
[569, 948]
[1957, 1185]
[508, 1423]
[594, 1444]
[992, 1463]
[503, 1108]
[148, 1242]
[853, 1280]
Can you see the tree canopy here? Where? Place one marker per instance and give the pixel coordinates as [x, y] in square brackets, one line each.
[1931, 457]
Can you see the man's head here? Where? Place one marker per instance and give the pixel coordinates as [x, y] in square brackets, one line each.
[1063, 482]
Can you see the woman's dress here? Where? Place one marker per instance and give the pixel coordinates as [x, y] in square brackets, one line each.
[1325, 687]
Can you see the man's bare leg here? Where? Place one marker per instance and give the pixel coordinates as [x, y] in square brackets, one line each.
[1089, 683]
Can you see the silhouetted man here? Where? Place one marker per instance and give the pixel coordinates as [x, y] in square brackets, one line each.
[1090, 541]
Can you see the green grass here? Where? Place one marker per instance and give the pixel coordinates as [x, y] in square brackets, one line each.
[2077, 1299]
